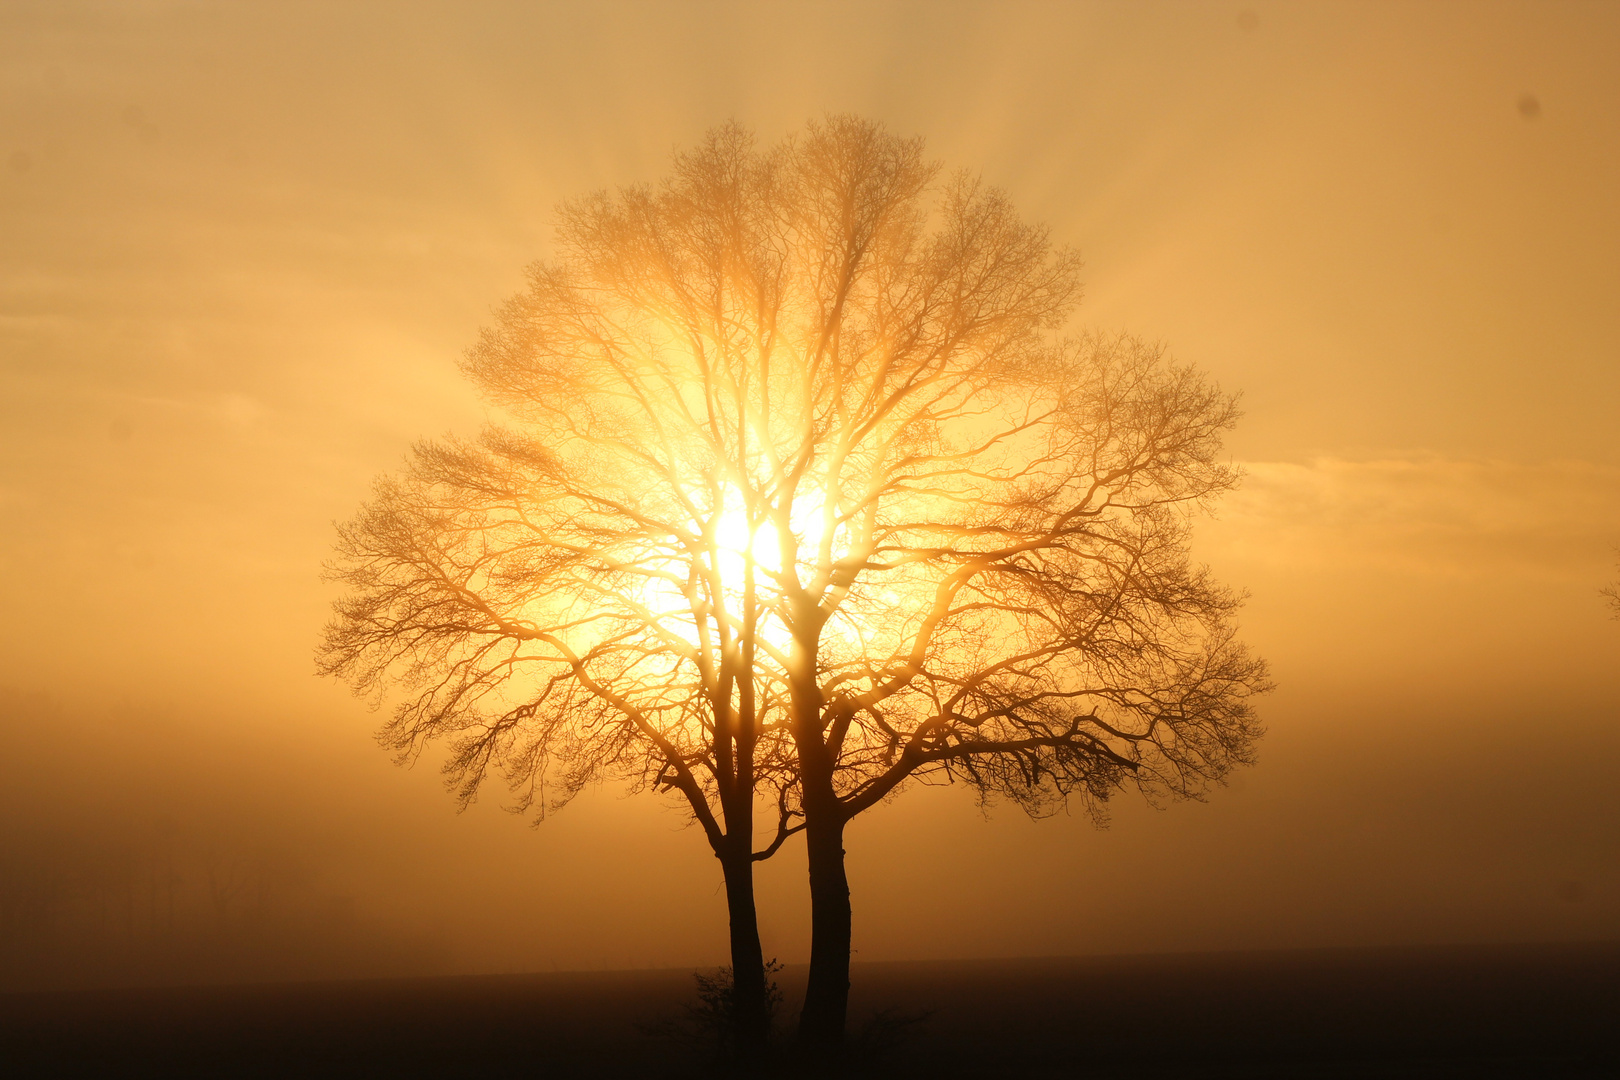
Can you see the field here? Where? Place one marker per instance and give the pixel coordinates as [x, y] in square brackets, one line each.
[1454, 1012]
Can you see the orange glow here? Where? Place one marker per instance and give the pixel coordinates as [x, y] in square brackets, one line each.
[244, 246]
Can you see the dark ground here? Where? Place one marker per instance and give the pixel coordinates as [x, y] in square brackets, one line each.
[1528, 1011]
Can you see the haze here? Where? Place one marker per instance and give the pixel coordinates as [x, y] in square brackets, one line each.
[243, 248]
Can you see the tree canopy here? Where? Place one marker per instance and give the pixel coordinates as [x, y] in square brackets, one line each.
[805, 492]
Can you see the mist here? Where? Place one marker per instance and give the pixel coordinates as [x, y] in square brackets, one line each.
[244, 248]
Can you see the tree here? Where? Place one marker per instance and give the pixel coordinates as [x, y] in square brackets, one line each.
[572, 597]
[809, 498]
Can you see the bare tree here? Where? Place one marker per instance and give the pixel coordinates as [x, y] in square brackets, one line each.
[1013, 575]
[806, 498]
[1611, 593]
[573, 597]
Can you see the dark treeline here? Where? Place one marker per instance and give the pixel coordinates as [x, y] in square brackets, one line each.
[154, 904]
[175, 877]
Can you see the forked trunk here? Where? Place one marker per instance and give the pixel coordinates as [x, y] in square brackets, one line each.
[749, 1007]
[826, 996]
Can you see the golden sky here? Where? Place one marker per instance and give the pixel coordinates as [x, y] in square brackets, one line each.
[242, 247]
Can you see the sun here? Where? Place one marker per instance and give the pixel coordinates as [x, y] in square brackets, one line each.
[742, 546]
[737, 557]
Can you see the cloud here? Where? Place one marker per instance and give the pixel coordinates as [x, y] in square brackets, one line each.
[1428, 515]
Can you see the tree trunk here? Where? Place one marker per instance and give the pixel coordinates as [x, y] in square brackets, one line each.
[826, 996]
[750, 1010]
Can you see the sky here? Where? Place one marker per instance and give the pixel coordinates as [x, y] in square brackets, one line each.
[243, 246]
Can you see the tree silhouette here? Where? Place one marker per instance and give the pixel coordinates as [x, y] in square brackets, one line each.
[572, 597]
[805, 497]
